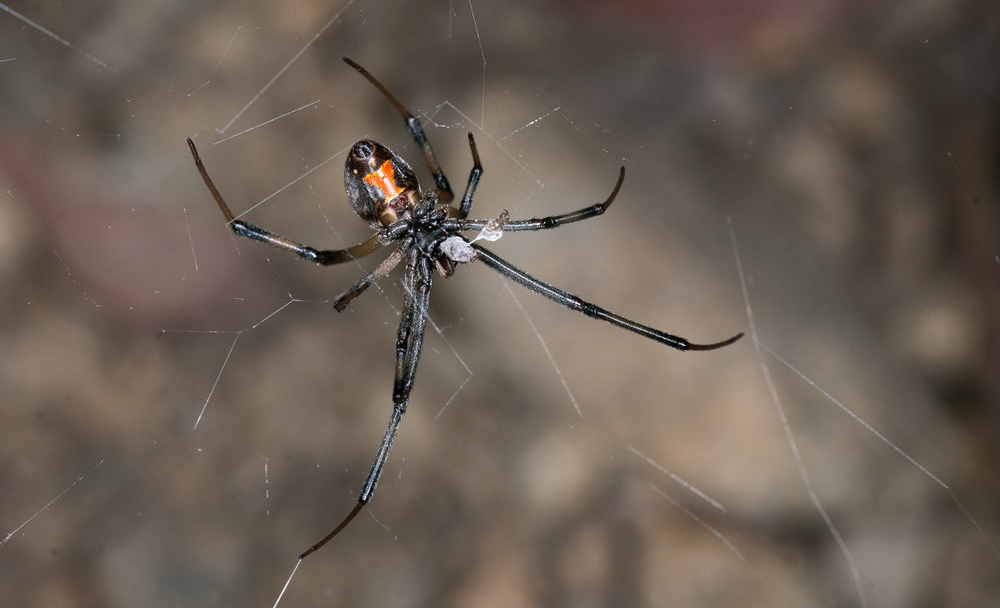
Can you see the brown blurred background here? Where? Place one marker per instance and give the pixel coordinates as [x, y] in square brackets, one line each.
[852, 144]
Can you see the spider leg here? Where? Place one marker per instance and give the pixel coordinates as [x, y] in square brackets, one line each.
[470, 188]
[417, 133]
[409, 341]
[324, 257]
[551, 221]
[370, 279]
[572, 302]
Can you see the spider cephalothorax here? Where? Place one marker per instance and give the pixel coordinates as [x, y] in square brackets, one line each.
[428, 232]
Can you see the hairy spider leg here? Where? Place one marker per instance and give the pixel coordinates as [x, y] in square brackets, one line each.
[573, 302]
[323, 257]
[409, 341]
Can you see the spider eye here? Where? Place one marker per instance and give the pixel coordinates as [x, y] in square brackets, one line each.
[379, 184]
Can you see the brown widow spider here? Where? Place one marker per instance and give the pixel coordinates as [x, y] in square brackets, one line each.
[383, 191]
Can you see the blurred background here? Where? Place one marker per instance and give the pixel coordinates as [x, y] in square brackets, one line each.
[851, 146]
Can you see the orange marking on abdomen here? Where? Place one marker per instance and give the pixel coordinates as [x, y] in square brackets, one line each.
[384, 178]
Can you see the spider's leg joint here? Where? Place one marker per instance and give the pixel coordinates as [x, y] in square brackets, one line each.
[575, 303]
[248, 230]
[312, 255]
[413, 123]
[400, 395]
[591, 310]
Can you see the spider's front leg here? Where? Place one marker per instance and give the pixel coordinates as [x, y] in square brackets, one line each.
[552, 221]
[573, 302]
[324, 257]
[409, 341]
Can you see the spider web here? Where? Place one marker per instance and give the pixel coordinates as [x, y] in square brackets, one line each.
[184, 412]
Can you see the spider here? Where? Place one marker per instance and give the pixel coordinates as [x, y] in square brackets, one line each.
[383, 191]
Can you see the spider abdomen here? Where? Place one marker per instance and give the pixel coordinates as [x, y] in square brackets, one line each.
[380, 185]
